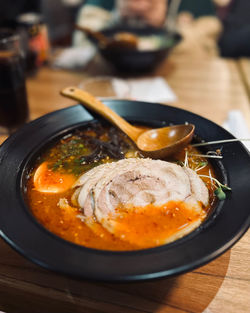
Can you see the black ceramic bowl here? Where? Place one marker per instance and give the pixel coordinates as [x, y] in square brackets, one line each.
[226, 224]
[139, 60]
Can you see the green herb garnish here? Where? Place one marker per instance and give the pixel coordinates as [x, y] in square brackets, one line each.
[67, 155]
[203, 164]
[219, 192]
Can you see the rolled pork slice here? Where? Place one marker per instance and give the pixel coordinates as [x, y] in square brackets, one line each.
[85, 194]
[133, 184]
[199, 191]
[142, 182]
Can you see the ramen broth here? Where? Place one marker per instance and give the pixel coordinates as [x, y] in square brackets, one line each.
[76, 154]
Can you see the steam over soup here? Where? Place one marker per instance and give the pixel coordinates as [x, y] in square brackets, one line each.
[94, 188]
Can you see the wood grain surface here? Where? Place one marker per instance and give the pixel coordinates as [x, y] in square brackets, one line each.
[210, 87]
[244, 68]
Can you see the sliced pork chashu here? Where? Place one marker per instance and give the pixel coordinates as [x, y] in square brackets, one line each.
[132, 198]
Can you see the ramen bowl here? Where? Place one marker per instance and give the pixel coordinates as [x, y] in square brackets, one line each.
[153, 47]
[225, 225]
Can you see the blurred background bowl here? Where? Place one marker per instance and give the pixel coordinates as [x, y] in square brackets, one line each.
[154, 46]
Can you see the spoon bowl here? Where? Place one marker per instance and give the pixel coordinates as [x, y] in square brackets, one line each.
[154, 143]
[162, 142]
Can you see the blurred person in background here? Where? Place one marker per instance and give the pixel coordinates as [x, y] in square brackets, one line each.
[225, 31]
[142, 12]
[100, 14]
[235, 39]
[205, 25]
[197, 20]
[209, 27]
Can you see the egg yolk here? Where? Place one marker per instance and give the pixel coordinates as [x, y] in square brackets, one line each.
[47, 180]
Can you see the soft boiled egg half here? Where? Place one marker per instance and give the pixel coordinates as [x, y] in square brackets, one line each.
[47, 180]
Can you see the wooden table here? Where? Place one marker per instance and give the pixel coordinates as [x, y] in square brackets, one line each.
[244, 67]
[209, 87]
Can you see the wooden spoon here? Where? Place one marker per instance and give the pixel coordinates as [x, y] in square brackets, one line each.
[153, 143]
[121, 40]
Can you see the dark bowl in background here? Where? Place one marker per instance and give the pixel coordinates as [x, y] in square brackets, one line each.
[125, 60]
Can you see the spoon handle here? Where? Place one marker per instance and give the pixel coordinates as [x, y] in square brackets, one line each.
[93, 34]
[96, 105]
